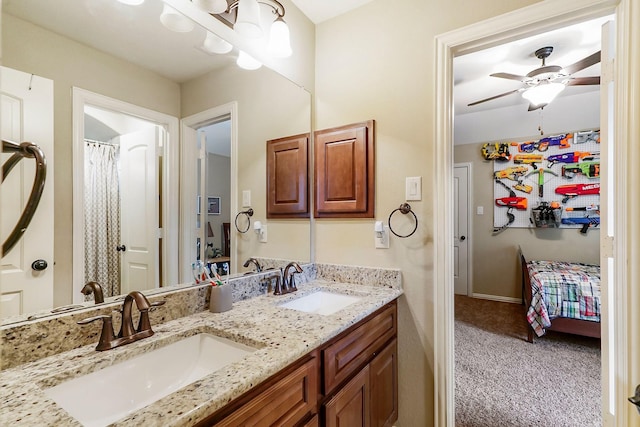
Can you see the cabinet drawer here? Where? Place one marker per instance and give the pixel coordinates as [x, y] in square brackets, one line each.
[284, 403]
[348, 353]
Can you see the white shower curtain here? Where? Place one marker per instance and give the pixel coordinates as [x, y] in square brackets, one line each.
[102, 217]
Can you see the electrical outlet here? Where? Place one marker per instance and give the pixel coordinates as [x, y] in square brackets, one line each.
[263, 234]
[381, 239]
[480, 210]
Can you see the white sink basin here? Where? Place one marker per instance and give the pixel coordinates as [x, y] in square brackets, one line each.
[321, 302]
[107, 395]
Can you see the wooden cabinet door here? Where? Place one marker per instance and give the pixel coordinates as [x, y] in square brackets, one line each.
[350, 406]
[384, 386]
[344, 171]
[287, 177]
[283, 403]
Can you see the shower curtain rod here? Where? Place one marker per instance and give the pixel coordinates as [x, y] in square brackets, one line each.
[93, 141]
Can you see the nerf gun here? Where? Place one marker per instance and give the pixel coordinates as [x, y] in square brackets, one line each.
[515, 173]
[587, 136]
[586, 222]
[573, 157]
[528, 159]
[588, 169]
[562, 141]
[510, 202]
[496, 151]
[570, 191]
[594, 208]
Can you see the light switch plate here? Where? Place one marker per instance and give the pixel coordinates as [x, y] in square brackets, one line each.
[413, 189]
[480, 210]
[263, 234]
[246, 198]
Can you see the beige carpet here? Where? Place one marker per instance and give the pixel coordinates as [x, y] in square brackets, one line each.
[502, 380]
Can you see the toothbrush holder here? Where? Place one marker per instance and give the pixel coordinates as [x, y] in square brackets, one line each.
[221, 299]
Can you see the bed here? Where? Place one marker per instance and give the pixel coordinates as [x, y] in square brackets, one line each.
[561, 296]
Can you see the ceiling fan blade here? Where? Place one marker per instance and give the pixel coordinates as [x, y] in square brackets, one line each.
[583, 63]
[583, 81]
[510, 76]
[493, 97]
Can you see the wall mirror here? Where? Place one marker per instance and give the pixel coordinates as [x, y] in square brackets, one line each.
[99, 45]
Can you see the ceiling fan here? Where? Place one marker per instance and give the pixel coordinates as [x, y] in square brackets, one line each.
[544, 83]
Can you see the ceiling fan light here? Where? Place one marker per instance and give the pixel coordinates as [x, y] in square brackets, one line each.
[248, 19]
[175, 21]
[214, 44]
[212, 6]
[247, 62]
[543, 93]
[279, 39]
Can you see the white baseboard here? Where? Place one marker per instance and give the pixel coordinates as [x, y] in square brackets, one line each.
[498, 298]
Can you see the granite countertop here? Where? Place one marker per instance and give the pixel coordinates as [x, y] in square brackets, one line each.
[281, 335]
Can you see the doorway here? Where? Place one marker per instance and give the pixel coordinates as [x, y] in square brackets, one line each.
[536, 18]
[209, 149]
[139, 233]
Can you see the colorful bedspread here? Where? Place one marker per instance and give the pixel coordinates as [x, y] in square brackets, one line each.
[563, 289]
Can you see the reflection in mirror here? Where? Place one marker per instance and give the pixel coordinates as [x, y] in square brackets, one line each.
[121, 201]
[124, 53]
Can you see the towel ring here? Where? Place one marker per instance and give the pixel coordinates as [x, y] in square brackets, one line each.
[404, 208]
[249, 214]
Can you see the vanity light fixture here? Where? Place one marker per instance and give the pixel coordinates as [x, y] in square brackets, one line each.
[212, 6]
[247, 62]
[175, 21]
[245, 18]
[214, 44]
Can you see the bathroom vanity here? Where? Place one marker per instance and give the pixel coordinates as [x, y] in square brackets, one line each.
[304, 368]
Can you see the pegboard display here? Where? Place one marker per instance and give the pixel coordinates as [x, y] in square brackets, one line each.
[553, 182]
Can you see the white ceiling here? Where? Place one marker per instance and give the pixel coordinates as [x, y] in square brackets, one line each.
[321, 10]
[134, 33]
[472, 72]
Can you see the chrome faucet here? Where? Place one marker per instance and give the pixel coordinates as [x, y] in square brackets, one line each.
[96, 289]
[288, 279]
[128, 333]
[255, 262]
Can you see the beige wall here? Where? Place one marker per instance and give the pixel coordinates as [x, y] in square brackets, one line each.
[496, 270]
[32, 49]
[218, 185]
[376, 62]
[269, 107]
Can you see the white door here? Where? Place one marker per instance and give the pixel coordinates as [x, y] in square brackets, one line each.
[139, 195]
[461, 229]
[27, 115]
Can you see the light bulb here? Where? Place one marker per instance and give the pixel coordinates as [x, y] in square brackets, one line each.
[248, 19]
[543, 93]
[247, 62]
[175, 21]
[214, 44]
[279, 39]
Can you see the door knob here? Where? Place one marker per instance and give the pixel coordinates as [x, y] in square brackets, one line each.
[39, 265]
[121, 248]
[462, 238]
[635, 399]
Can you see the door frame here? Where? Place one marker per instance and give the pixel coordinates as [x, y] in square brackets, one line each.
[469, 167]
[188, 184]
[169, 230]
[537, 18]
